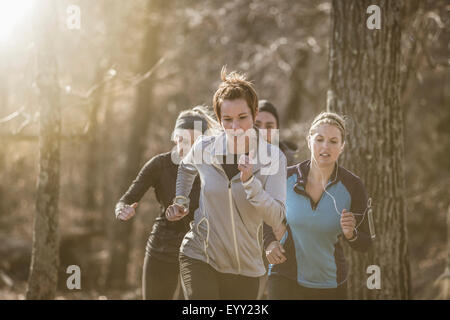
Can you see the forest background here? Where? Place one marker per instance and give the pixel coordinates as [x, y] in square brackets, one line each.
[126, 70]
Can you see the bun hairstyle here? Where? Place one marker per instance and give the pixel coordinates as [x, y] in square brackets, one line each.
[234, 86]
[329, 118]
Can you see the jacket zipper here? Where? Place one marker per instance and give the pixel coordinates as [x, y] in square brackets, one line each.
[315, 205]
[233, 227]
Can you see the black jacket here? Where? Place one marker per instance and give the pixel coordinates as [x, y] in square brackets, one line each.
[290, 150]
[161, 173]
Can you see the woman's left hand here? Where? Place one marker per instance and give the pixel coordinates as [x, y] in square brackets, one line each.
[348, 223]
[245, 167]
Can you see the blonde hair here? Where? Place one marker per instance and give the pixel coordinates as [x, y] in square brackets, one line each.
[329, 118]
[234, 86]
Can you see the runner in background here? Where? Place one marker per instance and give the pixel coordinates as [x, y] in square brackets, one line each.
[268, 119]
[161, 266]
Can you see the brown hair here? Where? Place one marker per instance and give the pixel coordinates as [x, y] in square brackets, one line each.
[329, 118]
[234, 86]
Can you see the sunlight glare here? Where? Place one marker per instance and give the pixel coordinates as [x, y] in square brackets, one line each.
[12, 12]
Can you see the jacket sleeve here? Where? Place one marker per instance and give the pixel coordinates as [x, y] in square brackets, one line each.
[270, 201]
[362, 242]
[268, 235]
[147, 177]
[187, 170]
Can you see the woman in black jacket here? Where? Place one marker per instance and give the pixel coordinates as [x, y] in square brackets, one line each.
[161, 266]
[268, 119]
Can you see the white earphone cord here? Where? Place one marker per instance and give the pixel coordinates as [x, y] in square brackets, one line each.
[334, 200]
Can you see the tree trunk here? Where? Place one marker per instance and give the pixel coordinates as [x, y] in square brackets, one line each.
[2, 192]
[44, 258]
[365, 84]
[93, 146]
[294, 105]
[121, 236]
[105, 147]
[106, 159]
[447, 265]
[4, 106]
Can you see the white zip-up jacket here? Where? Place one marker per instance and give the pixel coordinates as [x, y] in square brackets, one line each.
[226, 231]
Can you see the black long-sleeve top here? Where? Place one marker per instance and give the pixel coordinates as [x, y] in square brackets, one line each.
[161, 173]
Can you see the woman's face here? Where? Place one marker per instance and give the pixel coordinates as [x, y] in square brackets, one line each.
[266, 120]
[184, 139]
[325, 144]
[235, 115]
[236, 118]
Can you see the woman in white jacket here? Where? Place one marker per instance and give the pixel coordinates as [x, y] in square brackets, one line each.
[243, 184]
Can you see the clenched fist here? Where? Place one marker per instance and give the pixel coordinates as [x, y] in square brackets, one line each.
[245, 166]
[175, 212]
[348, 223]
[125, 212]
[274, 253]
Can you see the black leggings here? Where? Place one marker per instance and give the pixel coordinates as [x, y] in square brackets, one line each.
[282, 288]
[159, 279]
[203, 282]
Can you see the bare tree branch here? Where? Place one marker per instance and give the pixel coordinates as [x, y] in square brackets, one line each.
[16, 135]
[13, 115]
[22, 137]
[24, 124]
[133, 82]
[34, 138]
[109, 75]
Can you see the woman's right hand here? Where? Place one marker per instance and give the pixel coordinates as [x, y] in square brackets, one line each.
[175, 212]
[274, 253]
[126, 212]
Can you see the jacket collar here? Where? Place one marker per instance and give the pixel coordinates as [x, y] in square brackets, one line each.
[219, 149]
[303, 170]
